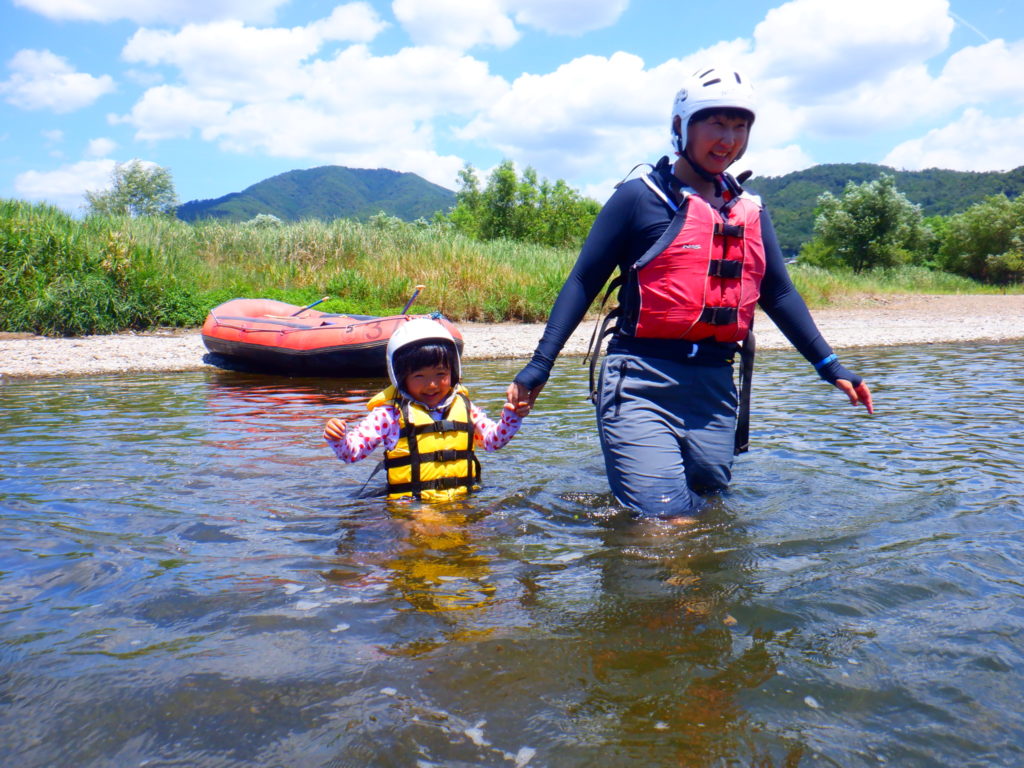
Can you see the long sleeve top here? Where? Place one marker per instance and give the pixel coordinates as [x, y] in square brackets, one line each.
[628, 225]
[382, 427]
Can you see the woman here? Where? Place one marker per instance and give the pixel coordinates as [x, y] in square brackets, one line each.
[695, 253]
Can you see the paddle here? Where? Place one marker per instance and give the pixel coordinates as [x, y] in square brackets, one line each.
[405, 309]
[310, 306]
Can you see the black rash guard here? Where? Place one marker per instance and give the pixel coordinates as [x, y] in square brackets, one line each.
[628, 225]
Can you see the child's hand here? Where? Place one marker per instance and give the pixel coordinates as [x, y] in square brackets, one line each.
[520, 399]
[522, 408]
[335, 430]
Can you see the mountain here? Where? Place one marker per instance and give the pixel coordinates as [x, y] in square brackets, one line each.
[328, 192]
[791, 199]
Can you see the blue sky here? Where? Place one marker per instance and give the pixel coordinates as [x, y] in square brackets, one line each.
[226, 93]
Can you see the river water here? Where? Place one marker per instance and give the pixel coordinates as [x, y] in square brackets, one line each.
[188, 579]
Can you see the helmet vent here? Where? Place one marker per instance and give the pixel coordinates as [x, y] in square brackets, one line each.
[713, 82]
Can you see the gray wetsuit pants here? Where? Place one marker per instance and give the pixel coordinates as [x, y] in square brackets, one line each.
[667, 432]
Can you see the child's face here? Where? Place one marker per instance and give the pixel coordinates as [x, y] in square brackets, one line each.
[430, 385]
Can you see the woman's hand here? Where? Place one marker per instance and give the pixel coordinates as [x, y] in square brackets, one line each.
[859, 395]
[522, 399]
[335, 430]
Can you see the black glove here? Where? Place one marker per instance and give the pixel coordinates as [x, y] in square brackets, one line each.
[830, 370]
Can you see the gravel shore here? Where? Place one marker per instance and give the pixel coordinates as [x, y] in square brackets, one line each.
[879, 321]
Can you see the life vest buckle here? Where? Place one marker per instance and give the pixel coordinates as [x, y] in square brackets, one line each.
[731, 269]
[719, 315]
[728, 230]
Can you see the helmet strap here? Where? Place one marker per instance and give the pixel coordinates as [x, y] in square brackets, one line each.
[713, 178]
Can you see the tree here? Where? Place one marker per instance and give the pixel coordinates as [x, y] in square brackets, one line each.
[871, 225]
[467, 213]
[526, 208]
[986, 242]
[137, 189]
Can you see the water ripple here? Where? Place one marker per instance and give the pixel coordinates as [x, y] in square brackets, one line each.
[189, 577]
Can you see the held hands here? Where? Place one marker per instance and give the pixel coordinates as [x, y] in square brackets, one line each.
[521, 399]
[859, 395]
[335, 430]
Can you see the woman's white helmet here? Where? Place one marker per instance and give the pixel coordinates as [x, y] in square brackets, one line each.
[421, 330]
[709, 88]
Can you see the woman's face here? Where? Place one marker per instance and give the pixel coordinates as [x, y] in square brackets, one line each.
[715, 142]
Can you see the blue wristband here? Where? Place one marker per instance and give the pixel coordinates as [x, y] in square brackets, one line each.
[830, 359]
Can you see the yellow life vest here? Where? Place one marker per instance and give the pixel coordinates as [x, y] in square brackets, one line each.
[432, 460]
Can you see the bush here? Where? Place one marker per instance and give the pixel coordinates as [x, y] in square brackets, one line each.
[263, 221]
[986, 241]
[871, 225]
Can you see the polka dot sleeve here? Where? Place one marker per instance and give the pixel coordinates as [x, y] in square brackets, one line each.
[491, 435]
[380, 427]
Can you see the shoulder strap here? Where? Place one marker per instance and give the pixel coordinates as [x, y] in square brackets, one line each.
[664, 198]
[625, 178]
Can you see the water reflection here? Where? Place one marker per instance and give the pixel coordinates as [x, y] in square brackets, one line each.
[188, 577]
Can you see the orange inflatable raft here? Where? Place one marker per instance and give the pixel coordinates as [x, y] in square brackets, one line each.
[276, 337]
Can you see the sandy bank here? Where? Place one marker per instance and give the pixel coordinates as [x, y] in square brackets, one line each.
[874, 322]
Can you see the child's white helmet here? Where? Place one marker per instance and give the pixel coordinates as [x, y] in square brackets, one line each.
[709, 88]
[415, 331]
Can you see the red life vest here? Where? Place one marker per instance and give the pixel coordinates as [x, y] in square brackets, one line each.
[701, 280]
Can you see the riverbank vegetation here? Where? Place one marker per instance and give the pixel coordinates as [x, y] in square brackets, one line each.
[104, 273]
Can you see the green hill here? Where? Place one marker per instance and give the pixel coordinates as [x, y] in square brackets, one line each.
[791, 199]
[329, 192]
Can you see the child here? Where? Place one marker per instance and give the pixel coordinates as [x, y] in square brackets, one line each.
[425, 420]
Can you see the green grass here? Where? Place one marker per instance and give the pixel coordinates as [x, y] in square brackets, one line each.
[65, 276]
[833, 288]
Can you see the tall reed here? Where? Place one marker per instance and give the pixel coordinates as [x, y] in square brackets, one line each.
[60, 275]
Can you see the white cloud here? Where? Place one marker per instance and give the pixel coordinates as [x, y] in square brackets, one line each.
[170, 112]
[777, 161]
[823, 46]
[568, 17]
[896, 99]
[974, 142]
[374, 140]
[456, 23]
[54, 136]
[101, 147]
[906, 96]
[44, 80]
[415, 83]
[985, 73]
[354, 22]
[464, 24]
[66, 186]
[593, 116]
[356, 108]
[154, 11]
[367, 111]
[228, 59]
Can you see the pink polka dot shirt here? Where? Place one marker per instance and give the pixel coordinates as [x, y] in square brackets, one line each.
[381, 427]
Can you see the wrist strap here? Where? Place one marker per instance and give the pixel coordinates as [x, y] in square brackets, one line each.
[822, 363]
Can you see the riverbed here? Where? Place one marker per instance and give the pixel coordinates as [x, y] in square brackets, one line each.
[188, 577]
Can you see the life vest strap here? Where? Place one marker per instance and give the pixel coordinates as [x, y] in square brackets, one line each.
[728, 230]
[444, 425]
[728, 268]
[719, 315]
[450, 454]
[741, 439]
[438, 484]
[597, 343]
